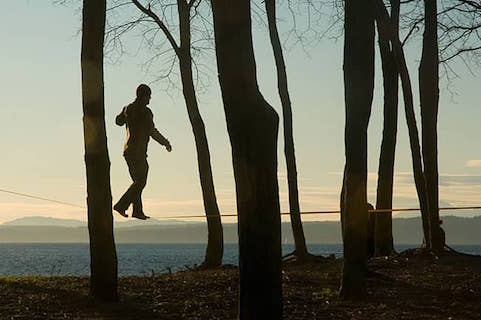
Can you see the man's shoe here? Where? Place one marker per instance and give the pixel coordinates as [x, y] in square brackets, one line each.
[140, 216]
[120, 211]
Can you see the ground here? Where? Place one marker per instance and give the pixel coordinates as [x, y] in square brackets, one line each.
[404, 286]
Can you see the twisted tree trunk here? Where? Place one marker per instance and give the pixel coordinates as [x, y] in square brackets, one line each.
[103, 258]
[358, 93]
[252, 125]
[429, 94]
[296, 223]
[383, 221]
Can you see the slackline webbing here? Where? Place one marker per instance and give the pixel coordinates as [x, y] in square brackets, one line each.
[41, 198]
[327, 212]
[235, 215]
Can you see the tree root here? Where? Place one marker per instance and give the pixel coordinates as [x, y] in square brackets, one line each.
[307, 257]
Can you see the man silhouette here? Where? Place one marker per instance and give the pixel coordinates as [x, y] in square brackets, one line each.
[138, 119]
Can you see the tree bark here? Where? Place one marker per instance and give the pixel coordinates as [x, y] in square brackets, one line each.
[252, 125]
[429, 95]
[215, 240]
[296, 223]
[388, 31]
[103, 258]
[358, 93]
[384, 244]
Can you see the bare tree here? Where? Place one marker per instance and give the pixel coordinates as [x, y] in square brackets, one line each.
[252, 125]
[383, 221]
[182, 52]
[103, 258]
[296, 223]
[358, 93]
[459, 27]
[429, 94]
[458, 23]
[388, 31]
[388, 51]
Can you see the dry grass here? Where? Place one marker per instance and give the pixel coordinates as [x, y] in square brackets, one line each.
[407, 286]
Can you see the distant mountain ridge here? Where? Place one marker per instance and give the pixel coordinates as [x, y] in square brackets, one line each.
[45, 221]
[406, 231]
[37, 221]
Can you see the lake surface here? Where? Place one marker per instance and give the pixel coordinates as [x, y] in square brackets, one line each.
[134, 259]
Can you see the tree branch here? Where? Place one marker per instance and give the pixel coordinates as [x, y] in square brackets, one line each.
[161, 25]
[190, 4]
[459, 52]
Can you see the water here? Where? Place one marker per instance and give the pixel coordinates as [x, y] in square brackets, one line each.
[134, 259]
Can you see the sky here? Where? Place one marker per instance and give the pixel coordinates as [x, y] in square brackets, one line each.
[42, 135]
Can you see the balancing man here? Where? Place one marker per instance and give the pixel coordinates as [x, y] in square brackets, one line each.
[138, 119]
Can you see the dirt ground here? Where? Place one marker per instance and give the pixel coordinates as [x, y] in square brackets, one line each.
[405, 286]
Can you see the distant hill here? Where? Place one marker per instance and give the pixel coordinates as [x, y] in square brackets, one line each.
[45, 221]
[56, 222]
[406, 231]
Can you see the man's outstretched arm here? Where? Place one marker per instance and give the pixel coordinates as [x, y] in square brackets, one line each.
[120, 118]
[157, 136]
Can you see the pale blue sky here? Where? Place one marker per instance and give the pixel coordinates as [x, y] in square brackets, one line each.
[41, 121]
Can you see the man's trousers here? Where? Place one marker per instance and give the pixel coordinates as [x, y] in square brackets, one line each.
[138, 168]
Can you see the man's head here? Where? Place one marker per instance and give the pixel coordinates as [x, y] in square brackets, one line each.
[143, 93]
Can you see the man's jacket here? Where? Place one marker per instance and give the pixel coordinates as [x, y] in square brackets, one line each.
[139, 121]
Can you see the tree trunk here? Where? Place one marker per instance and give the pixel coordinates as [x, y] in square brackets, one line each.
[388, 31]
[252, 125]
[429, 95]
[358, 93]
[371, 232]
[296, 223]
[215, 240]
[103, 258]
[384, 244]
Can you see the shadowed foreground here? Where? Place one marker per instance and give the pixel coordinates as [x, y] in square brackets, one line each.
[406, 286]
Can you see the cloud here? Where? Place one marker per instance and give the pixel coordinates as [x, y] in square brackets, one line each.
[459, 180]
[454, 190]
[473, 164]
